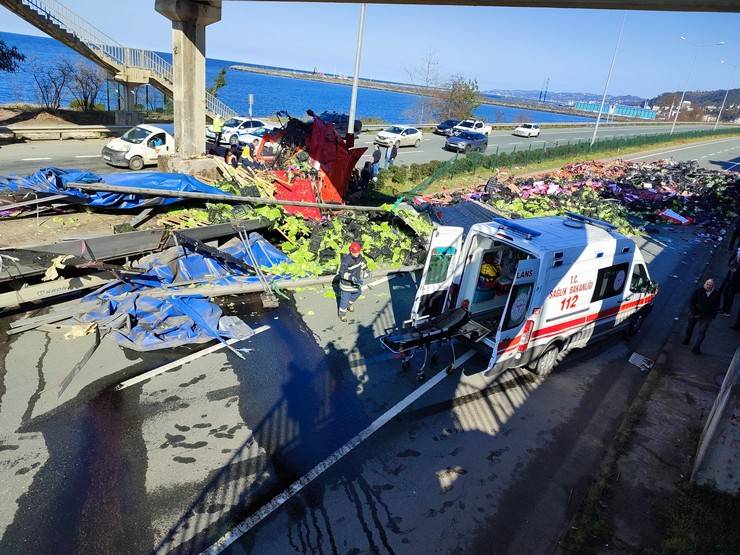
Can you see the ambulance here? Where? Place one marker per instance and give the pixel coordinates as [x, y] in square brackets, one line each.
[536, 288]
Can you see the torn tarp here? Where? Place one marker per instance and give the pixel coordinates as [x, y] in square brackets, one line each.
[55, 181]
[141, 321]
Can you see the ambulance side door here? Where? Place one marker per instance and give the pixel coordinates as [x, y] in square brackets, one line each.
[443, 266]
[608, 294]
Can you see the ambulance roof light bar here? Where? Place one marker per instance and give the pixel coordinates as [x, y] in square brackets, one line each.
[593, 221]
[517, 228]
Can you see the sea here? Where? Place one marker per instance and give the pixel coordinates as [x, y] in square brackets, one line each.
[271, 94]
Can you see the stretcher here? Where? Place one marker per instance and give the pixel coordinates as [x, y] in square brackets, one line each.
[441, 329]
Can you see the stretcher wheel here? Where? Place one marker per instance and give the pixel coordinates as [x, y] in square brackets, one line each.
[450, 369]
[405, 364]
[420, 377]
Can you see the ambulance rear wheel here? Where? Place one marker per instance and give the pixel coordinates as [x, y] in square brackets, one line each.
[547, 361]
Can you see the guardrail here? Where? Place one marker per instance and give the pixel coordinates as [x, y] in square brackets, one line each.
[549, 125]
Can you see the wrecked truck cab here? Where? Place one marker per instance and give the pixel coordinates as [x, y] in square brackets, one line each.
[139, 146]
[538, 287]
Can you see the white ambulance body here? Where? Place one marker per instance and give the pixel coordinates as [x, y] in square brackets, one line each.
[561, 281]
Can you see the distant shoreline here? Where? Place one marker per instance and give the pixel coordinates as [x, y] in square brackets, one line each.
[398, 88]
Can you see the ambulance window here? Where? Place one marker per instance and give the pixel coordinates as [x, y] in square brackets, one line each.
[639, 278]
[439, 265]
[610, 281]
[518, 304]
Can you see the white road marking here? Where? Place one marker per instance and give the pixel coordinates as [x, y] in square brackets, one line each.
[679, 149]
[519, 143]
[246, 525]
[89, 156]
[33, 159]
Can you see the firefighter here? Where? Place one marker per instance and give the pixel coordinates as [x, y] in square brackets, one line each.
[352, 271]
[490, 271]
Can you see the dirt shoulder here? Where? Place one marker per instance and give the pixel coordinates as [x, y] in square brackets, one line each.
[638, 502]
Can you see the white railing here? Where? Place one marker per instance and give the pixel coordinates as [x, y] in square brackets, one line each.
[113, 52]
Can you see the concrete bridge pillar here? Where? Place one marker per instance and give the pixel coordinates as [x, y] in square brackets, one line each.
[189, 20]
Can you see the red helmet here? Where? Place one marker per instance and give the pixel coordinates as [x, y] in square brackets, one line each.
[355, 248]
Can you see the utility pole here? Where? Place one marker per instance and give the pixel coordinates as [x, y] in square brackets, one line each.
[688, 76]
[608, 79]
[355, 78]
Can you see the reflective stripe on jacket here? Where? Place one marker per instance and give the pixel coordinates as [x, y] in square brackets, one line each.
[351, 270]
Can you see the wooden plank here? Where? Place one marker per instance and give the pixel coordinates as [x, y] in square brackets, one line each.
[50, 289]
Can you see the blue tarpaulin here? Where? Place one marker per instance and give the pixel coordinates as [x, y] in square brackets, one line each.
[54, 181]
[143, 322]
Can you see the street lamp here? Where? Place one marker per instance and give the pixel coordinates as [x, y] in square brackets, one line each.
[355, 78]
[716, 123]
[688, 76]
[608, 78]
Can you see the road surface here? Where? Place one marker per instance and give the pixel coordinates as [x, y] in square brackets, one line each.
[25, 158]
[169, 464]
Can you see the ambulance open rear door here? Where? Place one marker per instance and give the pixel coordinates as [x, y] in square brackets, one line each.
[443, 266]
[515, 329]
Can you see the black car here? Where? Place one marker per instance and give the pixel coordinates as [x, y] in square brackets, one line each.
[340, 122]
[464, 141]
[445, 128]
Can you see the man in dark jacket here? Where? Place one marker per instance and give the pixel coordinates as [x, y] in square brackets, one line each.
[703, 307]
[731, 285]
[352, 270]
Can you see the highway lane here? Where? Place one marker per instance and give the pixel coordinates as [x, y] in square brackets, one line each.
[168, 464]
[25, 158]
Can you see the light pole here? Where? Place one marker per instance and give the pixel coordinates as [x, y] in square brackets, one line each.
[688, 76]
[355, 78]
[608, 78]
[719, 116]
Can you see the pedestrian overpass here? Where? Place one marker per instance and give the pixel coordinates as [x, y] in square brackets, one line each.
[130, 66]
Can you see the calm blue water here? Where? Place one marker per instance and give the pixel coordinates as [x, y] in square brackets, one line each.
[271, 93]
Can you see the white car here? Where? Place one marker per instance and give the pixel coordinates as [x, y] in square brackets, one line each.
[269, 148]
[234, 128]
[473, 126]
[400, 136]
[527, 130]
[140, 146]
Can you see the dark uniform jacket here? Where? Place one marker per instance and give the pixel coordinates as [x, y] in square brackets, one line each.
[351, 271]
[703, 306]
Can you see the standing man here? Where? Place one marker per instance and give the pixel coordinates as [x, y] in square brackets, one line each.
[218, 129]
[376, 160]
[735, 237]
[703, 307]
[394, 153]
[731, 285]
[351, 274]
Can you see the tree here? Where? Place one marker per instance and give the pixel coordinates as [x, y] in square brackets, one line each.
[218, 83]
[458, 99]
[425, 76]
[498, 116]
[10, 57]
[51, 82]
[85, 85]
[521, 118]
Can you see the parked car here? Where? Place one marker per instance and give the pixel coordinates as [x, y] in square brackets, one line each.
[527, 130]
[400, 136]
[234, 128]
[269, 147]
[473, 125]
[445, 128]
[463, 141]
[139, 146]
[340, 122]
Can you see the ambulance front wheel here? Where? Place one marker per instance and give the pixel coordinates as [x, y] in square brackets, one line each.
[635, 324]
[547, 361]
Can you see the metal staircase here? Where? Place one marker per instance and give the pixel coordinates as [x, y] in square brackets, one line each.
[58, 21]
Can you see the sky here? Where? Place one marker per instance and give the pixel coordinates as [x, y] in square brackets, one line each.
[503, 48]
